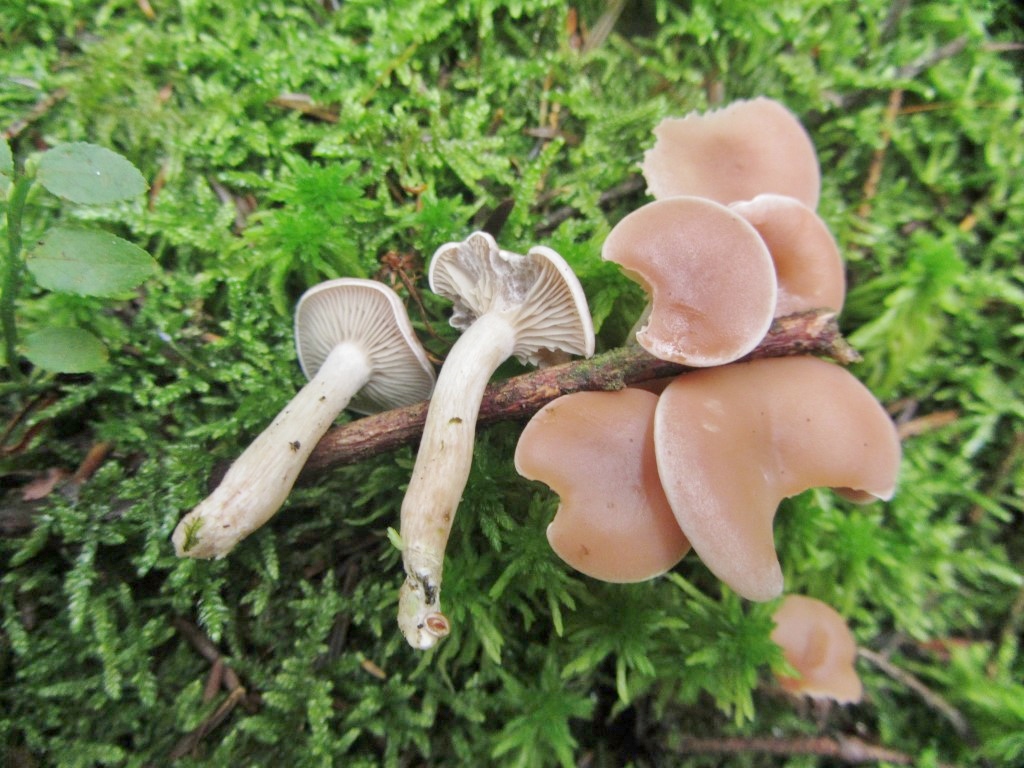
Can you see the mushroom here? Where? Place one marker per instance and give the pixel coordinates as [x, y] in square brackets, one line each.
[807, 261]
[732, 442]
[505, 304]
[734, 153]
[357, 347]
[818, 644]
[596, 451]
[709, 275]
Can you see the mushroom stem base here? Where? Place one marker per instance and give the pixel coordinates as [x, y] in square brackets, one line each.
[441, 471]
[259, 481]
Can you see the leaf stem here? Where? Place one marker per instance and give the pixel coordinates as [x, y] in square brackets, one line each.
[12, 272]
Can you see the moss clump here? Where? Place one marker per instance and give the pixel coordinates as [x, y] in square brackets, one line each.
[286, 142]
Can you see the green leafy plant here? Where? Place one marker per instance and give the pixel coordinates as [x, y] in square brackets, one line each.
[71, 260]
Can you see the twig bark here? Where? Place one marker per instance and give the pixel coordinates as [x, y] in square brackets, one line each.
[930, 697]
[221, 675]
[846, 749]
[805, 333]
[40, 108]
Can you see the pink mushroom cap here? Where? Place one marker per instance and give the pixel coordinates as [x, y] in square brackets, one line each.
[807, 261]
[735, 153]
[732, 442]
[818, 644]
[709, 275]
[596, 451]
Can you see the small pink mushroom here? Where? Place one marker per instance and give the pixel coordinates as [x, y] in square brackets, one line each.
[818, 644]
[746, 149]
[732, 442]
[596, 451]
[807, 261]
[709, 275]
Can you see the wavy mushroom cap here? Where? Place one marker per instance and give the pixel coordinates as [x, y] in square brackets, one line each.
[735, 153]
[807, 261]
[596, 451]
[732, 442]
[818, 644]
[709, 275]
[538, 294]
[370, 316]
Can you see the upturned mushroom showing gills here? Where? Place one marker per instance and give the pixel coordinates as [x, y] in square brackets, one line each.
[807, 261]
[357, 347]
[709, 275]
[735, 153]
[596, 451]
[732, 442]
[818, 644]
[505, 304]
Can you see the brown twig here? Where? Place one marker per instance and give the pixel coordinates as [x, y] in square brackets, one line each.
[303, 104]
[847, 749]
[930, 59]
[927, 423]
[205, 647]
[220, 675]
[188, 743]
[94, 458]
[928, 696]
[608, 197]
[518, 398]
[39, 109]
[857, 99]
[604, 25]
[870, 189]
[1003, 476]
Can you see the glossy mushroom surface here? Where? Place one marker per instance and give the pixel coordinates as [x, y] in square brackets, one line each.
[506, 304]
[808, 264]
[596, 451]
[352, 336]
[732, 442]
[735, 153]
[709, 275]
[818, 644]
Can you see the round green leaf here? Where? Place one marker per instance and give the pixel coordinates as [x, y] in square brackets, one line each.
[65, 350]
[86, 173]
[88, 262]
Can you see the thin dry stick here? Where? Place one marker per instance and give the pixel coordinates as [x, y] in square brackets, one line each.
[222, 674]
[518, 398]
[847, 749]
[878, 158]
[188, 743]
[40, 109]
[928, 696]
[1003, 477]
[205, 647]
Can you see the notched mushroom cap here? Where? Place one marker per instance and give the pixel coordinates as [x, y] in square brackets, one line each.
[367, 313]
[732, 442]
[807, 261]
[818, 644]
[735, 153]
[709, 275]
[537, 293]
[596, 451]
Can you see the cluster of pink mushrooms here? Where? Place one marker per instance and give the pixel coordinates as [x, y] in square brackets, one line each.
[731, 241]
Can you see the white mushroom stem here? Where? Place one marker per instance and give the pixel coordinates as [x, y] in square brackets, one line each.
[259, 480]
[442, 469]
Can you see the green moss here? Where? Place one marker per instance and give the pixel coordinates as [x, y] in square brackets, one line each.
[427, 123]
